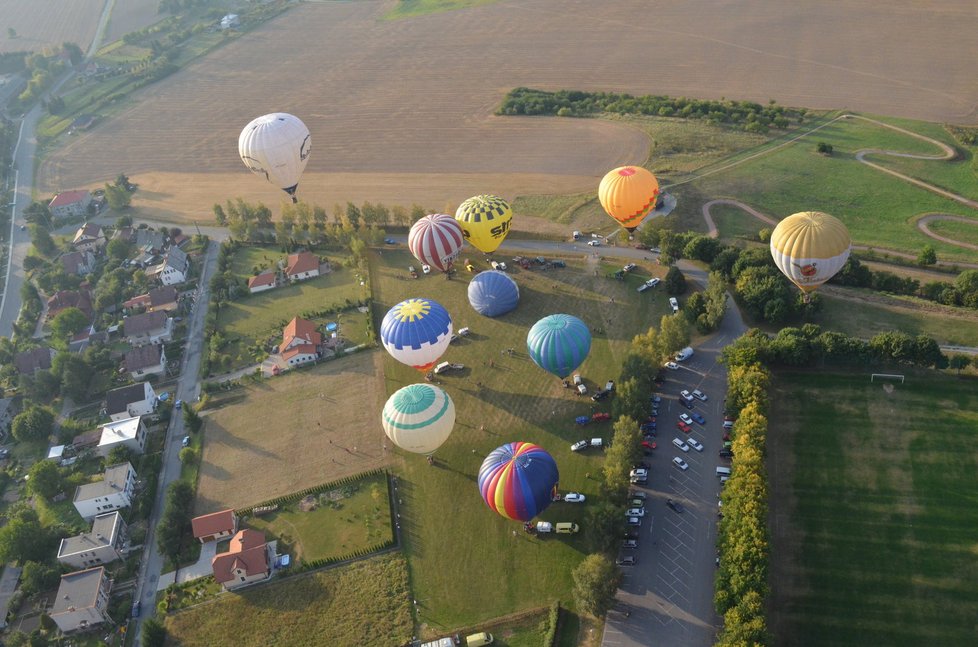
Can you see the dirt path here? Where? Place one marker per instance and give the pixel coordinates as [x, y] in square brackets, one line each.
[923, 223]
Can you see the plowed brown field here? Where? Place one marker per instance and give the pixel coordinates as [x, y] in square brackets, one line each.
[48, 23]
[402, 111]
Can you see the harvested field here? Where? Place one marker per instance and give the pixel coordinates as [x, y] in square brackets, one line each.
[378, 113]
[293, 432]
[131, 15]
[44, 24]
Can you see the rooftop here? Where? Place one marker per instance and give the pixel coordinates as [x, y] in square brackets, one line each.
[118, 400]
[113, 481]
[78, 590]
[68, 197]
[143, 323]
[119, 432]
[105, 530]
[143, 357]
[213, 523]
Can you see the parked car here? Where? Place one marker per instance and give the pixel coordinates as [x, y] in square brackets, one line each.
[686, 395]
[634, 521]
[638, 476]
[574, 497]
[648, 446]
[683, 427]
[685, 418]
[726, 453]
[698, 418]
[695, 444]
[672, 366]
[699, 395]
[687, 404]
[680, 463]
[636, 502]
[594, 243]
[581, 389]
[629, 267]
[137, 607]
[635, 512]
[185, 442]
[579, 445]
[627, 560]
[178, 405]
[638, 494]
[599, 395]
[630, 534]
[390, 241]
[601, 416]
[678, 442]
[656, 399]
[426, 269]
[675, 506]
[630, 544]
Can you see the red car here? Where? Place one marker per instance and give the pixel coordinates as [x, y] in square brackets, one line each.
[599, 417]
[684, 427]
[649, 445]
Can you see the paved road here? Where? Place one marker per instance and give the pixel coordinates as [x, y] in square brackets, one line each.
[187, 390]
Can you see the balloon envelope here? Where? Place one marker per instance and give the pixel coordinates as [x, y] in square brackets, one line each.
[419, 418]
[559, 343]
[485, 221]
[276, 146]
[493, 293]
[810, 247]
[416, 332]
[517, 480]
[436, 240]
[628, 194]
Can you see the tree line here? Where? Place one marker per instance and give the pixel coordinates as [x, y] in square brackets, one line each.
[752, 117]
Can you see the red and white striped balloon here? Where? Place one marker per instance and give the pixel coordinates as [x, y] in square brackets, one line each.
[436, 240]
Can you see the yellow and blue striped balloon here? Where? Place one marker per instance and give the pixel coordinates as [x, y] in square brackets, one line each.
[416, 332]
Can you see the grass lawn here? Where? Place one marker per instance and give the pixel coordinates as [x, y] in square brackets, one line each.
[351, 517]
[457, 548]
[412, 8]
[874, 512]
[366, 604]
[966, 232]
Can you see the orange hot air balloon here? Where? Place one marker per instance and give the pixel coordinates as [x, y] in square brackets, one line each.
[628, 194]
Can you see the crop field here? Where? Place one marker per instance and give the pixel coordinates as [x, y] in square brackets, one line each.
[499, 398]
[874, 514]
[371, 597]
[293, 432]
[401, 129]
[46, 24]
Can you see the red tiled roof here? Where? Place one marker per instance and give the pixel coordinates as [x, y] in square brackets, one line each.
[302, 349]
[301, 262]
[70, 299]
[265, 278]
[212, 524]
[137, 302]
[248, 552]
[68, 197]
[302, 329]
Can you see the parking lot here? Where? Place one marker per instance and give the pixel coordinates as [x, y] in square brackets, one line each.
[666, 598]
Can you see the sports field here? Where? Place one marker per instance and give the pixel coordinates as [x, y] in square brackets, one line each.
[873, 510]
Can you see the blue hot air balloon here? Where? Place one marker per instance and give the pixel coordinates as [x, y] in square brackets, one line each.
[558, 344]
[416, 332]
[517, 480]
[493, 293]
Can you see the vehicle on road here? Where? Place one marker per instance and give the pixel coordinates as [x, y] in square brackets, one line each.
[678, 442]
[675, 506]
[136, 608]
[698, 418]
[672, 366]
[594, 243]
[683, 427]
[685, 418]
[680, 463]
[178, 405]
[695, 444]
[699, 395]
[574, 497]
[185, 442]
[390, 241]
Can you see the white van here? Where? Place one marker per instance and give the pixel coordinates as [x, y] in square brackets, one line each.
[723, 471]
[684, 354]
[480, 639]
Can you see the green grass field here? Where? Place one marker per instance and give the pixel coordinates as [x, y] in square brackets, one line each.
[366, 603]
[462, 556]
[414, 8]
[956, 230]
[874, 510]
[355, 517]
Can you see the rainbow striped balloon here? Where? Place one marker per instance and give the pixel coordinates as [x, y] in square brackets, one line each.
[517, 480]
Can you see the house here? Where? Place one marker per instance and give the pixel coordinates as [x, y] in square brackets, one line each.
[7, 412]
[83, 600]
[300, 342]
[174, 269]
[143, 361]
[113, 492]
[103, 545]
[126, 234]
[78, 263]
[147, 328]
[70, 203]
[8, 586]
[64, 299]
[230, 21]
[81, 340]
[129, 432]
[246, 562]
[140, 302]
[262, 282]
[301, 266]
[214, 526]
[181, 240]
[163, 299]
[29, 362]
[86, 440]
[130, 401]
[89, 238]
[150, 240]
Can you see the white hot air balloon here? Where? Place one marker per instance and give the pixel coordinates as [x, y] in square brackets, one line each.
[419, 418]
[276, 146]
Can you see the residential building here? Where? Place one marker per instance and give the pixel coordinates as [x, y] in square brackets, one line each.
[130, 401]
[89, 238]
[158, 299]
[300, 342]
[214, 526]
[83, 600]
[264, 281]
[174, 269]
[106, 543]
[30, 361]
[64, 299]
[127, 234]
[8, 586]
[150, 240]
[143, 361]
[79, 263]
[113, 492]
[129, 432]
[301, 266]
[148, 328]
[246, 562]
[70, 203]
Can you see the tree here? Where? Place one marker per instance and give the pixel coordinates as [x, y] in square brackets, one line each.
[118, 197]
[154, 633]
[603, 526]
[824, 149]
[24, 539]
[118, 249]
[620, 457]
[675, 282]
[119, 454]
[45, 479]
[596, 581]
[958, 362]
[927, 256]
[188, 455]
[37, 577]
[673, 334]
[42, 240]
[192, 419]
[34, 424]
[67, 323]
[74, 52]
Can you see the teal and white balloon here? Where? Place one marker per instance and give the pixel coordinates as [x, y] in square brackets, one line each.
[419, 418]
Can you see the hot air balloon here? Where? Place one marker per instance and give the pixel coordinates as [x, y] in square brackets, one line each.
[810, 247]
[493, 293]
[276, 146]
[517, 480]
[628, 194]
[485, 221]
[558, 344]
[435, 240]
[416, 332]
[419, 418]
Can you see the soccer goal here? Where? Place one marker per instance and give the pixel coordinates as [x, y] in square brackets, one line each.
[886, 376]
